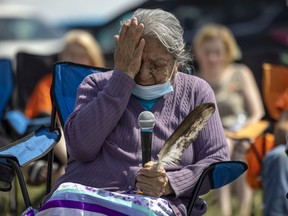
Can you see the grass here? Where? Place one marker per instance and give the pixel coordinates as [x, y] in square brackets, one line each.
[213, 208]
[37, 194]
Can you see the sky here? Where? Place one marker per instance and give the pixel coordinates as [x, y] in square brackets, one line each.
[55, 11]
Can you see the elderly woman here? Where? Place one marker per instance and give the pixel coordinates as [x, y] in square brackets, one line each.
[102, 134]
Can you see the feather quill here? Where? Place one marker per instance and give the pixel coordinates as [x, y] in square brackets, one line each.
[185, 134]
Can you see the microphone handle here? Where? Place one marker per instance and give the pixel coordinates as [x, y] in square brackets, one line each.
[146, 140]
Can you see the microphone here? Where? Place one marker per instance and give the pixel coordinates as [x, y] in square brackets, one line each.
[146, 122]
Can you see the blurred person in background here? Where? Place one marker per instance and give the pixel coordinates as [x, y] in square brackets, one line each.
[79, 47]
[275, 166]
[237, 96]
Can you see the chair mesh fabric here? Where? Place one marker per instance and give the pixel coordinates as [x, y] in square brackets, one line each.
[67, 77]
[30, 68]
[224, 173]
[31, 147]
[6, 84]
[17, 120]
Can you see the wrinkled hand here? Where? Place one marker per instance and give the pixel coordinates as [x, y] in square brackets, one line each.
[153, 181]
[129, 47]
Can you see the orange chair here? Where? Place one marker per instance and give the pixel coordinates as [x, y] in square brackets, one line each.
[274, 83]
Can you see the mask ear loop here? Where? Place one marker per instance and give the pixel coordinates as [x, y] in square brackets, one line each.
[172, 72]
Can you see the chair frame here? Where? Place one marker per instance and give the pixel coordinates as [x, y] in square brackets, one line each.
[213, 174]
[12, 161]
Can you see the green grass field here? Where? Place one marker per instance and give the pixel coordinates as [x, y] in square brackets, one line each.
[37, 192]
[213, 208]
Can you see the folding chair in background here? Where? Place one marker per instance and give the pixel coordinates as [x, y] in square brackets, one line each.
[41, 142]
[6, 85]
[6, 91]
[30, 68]
[274, 83]
[66, 78]
[21, 152]
[260, 135]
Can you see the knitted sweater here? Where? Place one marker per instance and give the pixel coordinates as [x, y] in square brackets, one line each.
[104, 142]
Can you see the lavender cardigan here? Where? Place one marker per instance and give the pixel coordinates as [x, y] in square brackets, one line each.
[104, 143]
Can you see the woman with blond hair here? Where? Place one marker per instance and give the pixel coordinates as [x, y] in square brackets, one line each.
[237, 96]
[79, 47]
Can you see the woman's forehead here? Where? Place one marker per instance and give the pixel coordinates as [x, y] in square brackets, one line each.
[155, 50]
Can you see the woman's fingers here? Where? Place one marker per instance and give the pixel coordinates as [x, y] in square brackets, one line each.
[129, 48]
[152, 180]
[124, 29]
[152, 187]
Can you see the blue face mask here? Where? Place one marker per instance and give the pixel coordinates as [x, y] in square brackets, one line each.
[153, 91]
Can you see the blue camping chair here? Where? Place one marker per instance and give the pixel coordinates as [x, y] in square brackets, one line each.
[66, 78]
[219, 174]
[12, 122]
[41, 142]
[6, 84]
[30, 68]
[6, 90]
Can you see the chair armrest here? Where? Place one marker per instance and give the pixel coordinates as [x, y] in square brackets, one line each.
[31, 147]
[226, 172]
[219, 174]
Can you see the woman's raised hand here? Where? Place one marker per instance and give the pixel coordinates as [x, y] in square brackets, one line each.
[129, 48]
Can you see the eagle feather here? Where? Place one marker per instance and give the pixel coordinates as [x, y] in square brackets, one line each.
[185, 134]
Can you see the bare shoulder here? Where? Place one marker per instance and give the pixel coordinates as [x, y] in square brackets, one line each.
[242, 70]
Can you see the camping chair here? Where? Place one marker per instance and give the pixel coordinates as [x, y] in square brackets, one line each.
[41, 142]
[22, 152]
[219, 174]
[14, 155]
[274, 83]
[6, 91]
[13, 125]
[67, 77]
[30, 68]
[6, 84]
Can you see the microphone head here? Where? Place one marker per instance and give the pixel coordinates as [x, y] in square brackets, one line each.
[146, 120]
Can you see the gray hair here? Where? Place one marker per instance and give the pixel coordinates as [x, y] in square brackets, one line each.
[165, 27]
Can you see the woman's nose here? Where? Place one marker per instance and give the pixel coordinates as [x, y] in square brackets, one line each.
[145, 72]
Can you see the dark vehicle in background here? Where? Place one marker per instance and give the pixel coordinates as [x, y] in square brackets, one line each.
[260, 26]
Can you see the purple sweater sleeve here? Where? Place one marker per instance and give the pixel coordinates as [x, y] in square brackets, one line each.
[81, 123]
